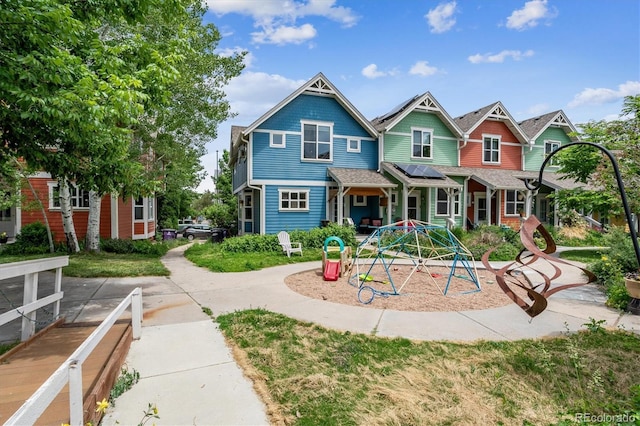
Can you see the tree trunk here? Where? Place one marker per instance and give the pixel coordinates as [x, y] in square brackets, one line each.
[67, 216]
[93, 225]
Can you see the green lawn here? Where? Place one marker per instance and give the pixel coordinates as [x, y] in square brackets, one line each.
[584, 256]
[212, 257]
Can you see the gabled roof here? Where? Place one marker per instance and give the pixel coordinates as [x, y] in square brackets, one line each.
[496, 111]
[535, 126]
[444, 182]
[318, 85]
[425, 103]
[236, 132]
[365, 178]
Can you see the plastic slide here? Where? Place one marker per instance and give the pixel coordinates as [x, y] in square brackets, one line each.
[331, 271]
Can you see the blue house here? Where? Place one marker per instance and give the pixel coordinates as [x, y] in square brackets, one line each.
[311, 159]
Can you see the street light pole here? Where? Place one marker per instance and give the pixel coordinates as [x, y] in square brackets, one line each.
[216, 171]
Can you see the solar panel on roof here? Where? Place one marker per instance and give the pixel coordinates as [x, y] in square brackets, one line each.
[419, 171]
[397, 109]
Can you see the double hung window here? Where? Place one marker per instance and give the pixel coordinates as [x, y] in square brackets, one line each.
[316, 141]
[421, 143]
[491, 149]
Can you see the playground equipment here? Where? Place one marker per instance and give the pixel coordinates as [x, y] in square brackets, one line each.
[411, 242]
[331, 269]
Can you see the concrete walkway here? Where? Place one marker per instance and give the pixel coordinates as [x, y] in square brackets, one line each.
[189, 373]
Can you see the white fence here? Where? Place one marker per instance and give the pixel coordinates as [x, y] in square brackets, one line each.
[71, 370]
[30, 302]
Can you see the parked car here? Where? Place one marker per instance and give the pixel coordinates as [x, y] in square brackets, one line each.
[197, 231]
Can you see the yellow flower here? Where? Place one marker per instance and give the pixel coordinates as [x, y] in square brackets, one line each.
[155, 410]
[604, 257]
[102, 406]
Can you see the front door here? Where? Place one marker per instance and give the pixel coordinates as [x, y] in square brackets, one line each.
[413, 208]
[246, 212]
[480, 211]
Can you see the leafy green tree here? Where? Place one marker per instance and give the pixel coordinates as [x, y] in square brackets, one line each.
[224, 210]
[89, 89]
[588, 164]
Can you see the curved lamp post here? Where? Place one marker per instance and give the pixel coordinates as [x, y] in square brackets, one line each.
[625, 203]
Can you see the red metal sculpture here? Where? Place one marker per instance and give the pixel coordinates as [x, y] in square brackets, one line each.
[517, 274]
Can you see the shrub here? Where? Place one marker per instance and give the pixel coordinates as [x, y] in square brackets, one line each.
[32, 239]
[621, 249]
[505, 243]
[123, 246]
[314, 238]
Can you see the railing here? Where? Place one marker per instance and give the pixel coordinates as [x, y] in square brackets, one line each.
[30, 303]
[71, 370]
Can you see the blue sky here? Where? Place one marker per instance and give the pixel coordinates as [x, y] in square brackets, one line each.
[536, 56]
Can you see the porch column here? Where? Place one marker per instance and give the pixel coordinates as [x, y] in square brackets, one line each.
[451, 220]
[488, 202]
[405, 202]
[340, 201]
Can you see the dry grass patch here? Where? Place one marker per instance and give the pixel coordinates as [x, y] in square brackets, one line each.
[317, 376]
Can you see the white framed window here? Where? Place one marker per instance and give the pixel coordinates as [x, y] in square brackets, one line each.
[514, 202]
[491, 149]
[549, 147]
[317, 141]
[293, 199]
[421, 143]
[394, 198]
[138, 209]
[79, 197]
[353, 145]
[359, 200]
[150, 210]
[442, 203]
[277, 140]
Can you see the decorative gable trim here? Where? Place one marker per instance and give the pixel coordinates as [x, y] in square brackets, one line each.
[498, 113]
[469, 122]
[422, 103]
[536, 126]
[318, 85]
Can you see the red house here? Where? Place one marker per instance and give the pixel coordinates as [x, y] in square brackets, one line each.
[493, 150]
[126, 219]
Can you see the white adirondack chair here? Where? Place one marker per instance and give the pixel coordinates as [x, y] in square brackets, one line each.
[287, 246]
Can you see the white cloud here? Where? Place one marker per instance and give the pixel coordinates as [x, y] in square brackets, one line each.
[276, 19]
[529, 16]
[602, 95]
[441, 18]
[423, 69]
[251, 94]
[516, 55]
[248, 59]
[284, 35]
[538, 109]
[371, 71]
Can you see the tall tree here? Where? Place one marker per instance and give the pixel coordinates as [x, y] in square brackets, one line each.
[76, 79]
[588, 164]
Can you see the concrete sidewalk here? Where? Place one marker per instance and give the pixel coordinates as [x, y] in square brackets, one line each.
[189, 373]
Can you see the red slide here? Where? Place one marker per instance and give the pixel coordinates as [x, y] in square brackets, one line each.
[331, 271]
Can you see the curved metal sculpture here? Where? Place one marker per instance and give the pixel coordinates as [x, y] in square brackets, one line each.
[515, 274]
